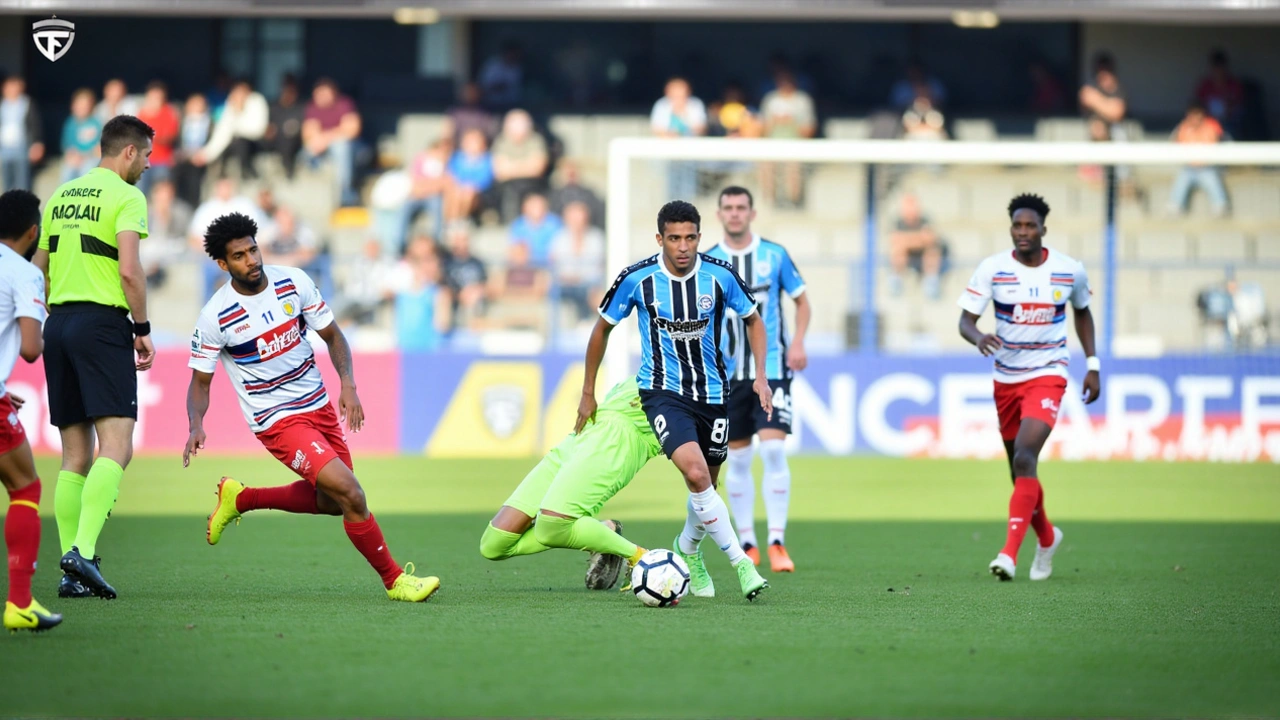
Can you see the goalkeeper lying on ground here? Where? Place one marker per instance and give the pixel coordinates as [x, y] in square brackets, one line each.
[569, 487]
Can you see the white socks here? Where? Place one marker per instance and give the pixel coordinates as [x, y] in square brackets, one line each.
[708, 511]
[776, 487]
[742, 493]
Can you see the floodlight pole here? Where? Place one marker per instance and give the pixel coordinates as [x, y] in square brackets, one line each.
[867, 330]
[1109, 267]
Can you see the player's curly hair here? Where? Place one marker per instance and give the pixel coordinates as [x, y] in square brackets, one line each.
[19, 210]
[1027, 201]
[678, 211]
[231, 226]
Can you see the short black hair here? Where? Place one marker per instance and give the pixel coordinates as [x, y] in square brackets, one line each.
[678, 211]
[1218, 58]
[1027, 201]
[122, 131]
[158, 85]
[19, 210]
[231, 226]
[1104, 61]
[736, 190]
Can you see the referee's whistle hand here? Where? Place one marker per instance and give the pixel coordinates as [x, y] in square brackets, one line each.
[146, 352]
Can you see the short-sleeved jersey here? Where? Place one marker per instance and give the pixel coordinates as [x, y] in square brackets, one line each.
[681, 321]
[622, 406]
[81, 221]
[261, 341]
[1031, 311]
[21, 295]
[767, 269]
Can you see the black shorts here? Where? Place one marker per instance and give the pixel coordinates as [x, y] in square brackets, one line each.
[88, 364]
[746, 417]
[677, 420]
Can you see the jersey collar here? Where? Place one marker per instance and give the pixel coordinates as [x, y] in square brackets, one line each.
[693, 272]
[750, 248]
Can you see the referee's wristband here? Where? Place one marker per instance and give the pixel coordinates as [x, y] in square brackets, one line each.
[1093, 364]
[142, 329]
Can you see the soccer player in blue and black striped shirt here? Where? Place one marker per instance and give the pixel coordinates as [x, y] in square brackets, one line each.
[682, 297]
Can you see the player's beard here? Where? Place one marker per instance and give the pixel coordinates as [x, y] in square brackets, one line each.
[252, 284]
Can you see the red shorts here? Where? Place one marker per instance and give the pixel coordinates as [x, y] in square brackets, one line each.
[308, 442]
[1038, 398]
[11, 433]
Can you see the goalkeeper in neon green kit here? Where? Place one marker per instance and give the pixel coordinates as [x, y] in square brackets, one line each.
[569, 487]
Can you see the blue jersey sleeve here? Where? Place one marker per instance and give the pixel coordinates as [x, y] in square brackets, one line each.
[737, 296]
[789, 276]
[621, 298]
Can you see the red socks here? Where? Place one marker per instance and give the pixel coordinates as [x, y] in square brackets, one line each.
[22, 537]
[298, 497]
[1040, 522]
[1026, 493]
[367, 537]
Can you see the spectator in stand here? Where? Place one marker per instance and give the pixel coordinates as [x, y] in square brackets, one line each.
[217, 94]
[1048, 96]
[370, 281]
[470, 175]
[330, 130]
[922, 119]
[522, 282]
[289, 241]
[571, 190]
[915, 243]
[196, 124]
[423, 308]
[267, 203]
[778, 63]
[226, 199]
[907, 90]
[163, 118]
[1198, 127]
[578, 257]
[679, 114]
[1103, 102]
[468, 279]
[536, 227]
[238, 132]
[80, 134]
[21, 141]
[788, 114]
[430, 179]
[168, 219]
[1221, 93]
[469, 114]
[519, 163]
[284, 125]
[731, 116]
[501, 79]
[116, 100]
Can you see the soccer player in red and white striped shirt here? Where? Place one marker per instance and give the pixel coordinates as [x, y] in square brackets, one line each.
[1030, 288]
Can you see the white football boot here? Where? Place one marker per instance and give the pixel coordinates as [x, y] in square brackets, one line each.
[1002, 567]
[1042, 566]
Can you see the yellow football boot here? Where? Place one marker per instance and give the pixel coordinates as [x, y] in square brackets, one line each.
[224, 513]
[34, 617]
[410, 588]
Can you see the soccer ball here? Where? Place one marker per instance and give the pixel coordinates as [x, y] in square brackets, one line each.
[660, 579]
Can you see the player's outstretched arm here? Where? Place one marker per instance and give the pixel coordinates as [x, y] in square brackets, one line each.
[987, 343]
[1084, 330]
[756, 334]
[197, 406]
[349, 408]
[595, 355]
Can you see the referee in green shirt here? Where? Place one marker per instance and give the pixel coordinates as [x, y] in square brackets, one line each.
[89, 251]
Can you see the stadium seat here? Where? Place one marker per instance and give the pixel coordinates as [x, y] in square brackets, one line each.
[1156, 245]
[416, 131]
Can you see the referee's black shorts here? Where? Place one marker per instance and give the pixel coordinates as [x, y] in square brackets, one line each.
[88, 363]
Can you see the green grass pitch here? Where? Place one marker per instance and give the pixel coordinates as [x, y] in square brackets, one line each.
[1165, 602]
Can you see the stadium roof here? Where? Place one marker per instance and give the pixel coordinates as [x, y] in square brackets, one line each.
[979, 11]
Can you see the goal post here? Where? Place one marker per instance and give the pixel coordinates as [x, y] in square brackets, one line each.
[628, 240]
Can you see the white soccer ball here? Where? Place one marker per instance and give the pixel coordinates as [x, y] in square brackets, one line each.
[660, 579]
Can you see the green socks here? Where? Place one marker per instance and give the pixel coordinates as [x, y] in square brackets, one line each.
[498, 544]
[583, 533]
[66, 507]
[100, 491]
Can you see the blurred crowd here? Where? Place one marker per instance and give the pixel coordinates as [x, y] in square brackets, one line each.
[494, 164]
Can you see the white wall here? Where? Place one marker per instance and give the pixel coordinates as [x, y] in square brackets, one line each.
[1160, 65]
